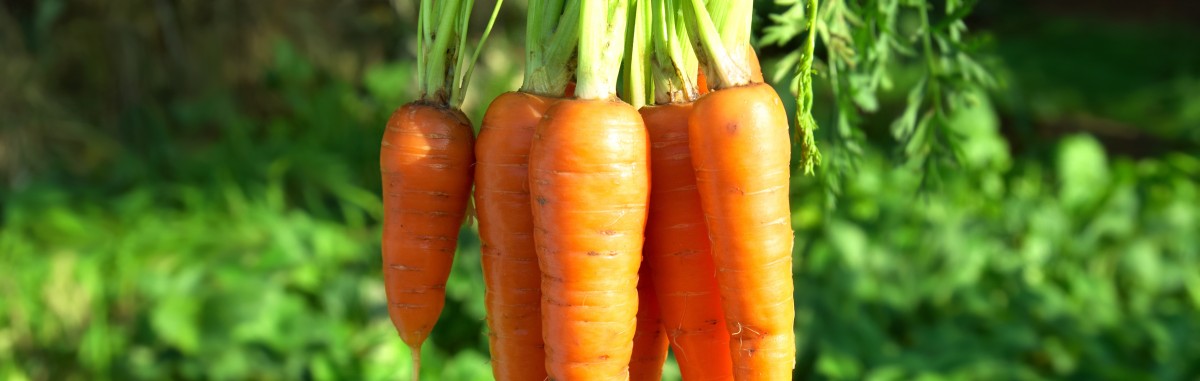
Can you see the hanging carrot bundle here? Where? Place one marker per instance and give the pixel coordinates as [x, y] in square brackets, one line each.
[425, 161]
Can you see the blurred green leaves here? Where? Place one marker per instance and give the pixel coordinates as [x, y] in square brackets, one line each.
[1084, 170]
[1071, 273]
[218, 290]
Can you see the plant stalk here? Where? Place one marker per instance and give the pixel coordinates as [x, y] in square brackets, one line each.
[602, 29]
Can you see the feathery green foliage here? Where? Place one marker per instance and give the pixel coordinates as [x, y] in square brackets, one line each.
[865, 44]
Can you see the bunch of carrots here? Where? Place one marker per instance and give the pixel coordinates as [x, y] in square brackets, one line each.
[615, 227]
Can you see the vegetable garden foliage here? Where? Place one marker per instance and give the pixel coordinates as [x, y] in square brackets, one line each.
[214, 240]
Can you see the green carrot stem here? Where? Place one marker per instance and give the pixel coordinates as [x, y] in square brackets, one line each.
[438, 78]
[602, 29]
[464, 18]
[721, 69]
[674, 63]
[466, 78]
[443, 69]
[637, 42]
[548, 53]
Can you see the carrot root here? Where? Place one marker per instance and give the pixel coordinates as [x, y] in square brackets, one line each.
[425, 163]
[678, 250]
[510, 268]
[741, 153]
[589, 179]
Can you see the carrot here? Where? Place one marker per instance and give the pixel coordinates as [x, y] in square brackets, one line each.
[425, 161]
[677, 249]
[589, 179]
[649, 340]
[510, 266]
[741, 152]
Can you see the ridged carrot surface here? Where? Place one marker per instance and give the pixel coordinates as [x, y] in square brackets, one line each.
[510, 266]
[425, 161]
[589, 179]
[741, 151]
[678, 253]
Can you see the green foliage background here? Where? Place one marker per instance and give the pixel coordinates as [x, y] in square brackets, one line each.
[190, 192]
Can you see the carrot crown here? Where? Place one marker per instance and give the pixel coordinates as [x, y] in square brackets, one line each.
[602, 31]
[550, 39]
[673, 63]
[442, 74]
[721, 27]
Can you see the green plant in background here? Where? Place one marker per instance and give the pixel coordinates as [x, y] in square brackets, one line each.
[1027, 278]
[919, 47]
[219, 219]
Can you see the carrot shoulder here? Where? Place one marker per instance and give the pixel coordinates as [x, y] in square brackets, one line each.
[741, 152]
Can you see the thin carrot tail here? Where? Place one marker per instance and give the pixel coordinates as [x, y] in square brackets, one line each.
[416, 360]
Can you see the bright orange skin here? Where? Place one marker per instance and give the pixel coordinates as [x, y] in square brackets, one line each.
[425, 160]
[741, 152]
[678, 253]
[649, 341]
[589, 184]
[510, 265]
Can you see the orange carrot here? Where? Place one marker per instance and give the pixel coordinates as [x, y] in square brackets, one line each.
[649, 340]
[677, 250]
[740, 151]
[589, 179]
[510, 266]
[425, 161]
